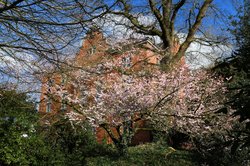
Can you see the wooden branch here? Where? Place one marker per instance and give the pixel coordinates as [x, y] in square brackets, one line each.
[11, 6]
[110, 133]
[165, 24]
[43, 22]
[190, 37]
[174, 13]
[166, 5]
[155, 11]
[147, 30]
[162, 99]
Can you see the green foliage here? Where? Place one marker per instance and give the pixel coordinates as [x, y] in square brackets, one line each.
[25, 142]
[218, 149]
[147, 154]
[236, 72]
[19, 143]
[74, 141]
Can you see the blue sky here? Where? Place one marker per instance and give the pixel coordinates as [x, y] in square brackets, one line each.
[217, 22]
[226, 5]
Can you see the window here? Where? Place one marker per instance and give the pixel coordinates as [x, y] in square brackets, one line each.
[92, 50]
[49, 100]
[63, 82]
[126, 62]
[50, 84]
[98, 92]
[48, 105]
[91, 35]
[64, 104]
[100, 68]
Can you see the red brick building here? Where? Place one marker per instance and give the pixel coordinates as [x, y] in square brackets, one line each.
[133, 57]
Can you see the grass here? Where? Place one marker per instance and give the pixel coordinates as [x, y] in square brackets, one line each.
[148, 154]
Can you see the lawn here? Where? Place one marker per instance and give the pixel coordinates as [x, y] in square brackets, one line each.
[147, 154]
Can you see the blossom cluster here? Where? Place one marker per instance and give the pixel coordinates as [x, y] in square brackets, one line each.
[183, 99]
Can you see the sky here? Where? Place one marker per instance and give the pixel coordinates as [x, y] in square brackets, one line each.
[227, 6]
[197, 55]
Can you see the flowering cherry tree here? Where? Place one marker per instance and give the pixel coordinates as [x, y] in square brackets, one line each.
[116, 99]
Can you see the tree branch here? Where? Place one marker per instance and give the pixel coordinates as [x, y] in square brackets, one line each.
[11, 6]
[174, 14]
[193, 29]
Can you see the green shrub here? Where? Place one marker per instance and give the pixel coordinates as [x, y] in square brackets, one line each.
[20, 143]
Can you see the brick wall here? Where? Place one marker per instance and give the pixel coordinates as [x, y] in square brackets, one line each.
[93, 51]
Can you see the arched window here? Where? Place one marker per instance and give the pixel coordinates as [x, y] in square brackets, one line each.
[92, 50]
[126, 61]
[48, 105]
